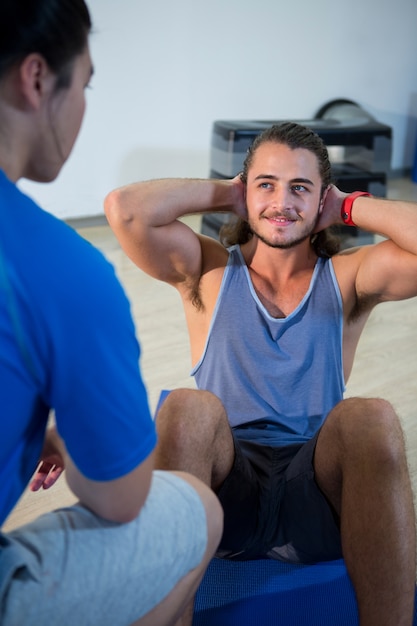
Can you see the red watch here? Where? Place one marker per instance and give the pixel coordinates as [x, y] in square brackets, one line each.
[346, 210]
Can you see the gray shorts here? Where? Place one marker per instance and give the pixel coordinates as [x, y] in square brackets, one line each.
[70, 567]
[274, 508]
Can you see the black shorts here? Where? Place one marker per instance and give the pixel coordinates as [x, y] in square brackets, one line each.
[274, 508]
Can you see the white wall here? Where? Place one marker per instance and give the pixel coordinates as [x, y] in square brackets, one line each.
[165, 70]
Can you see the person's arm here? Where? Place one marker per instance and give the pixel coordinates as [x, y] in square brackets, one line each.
[387, 270]
[146, 220]
[117, 500]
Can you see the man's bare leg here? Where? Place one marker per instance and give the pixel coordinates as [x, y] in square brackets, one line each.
[194, 436]
[361, 467]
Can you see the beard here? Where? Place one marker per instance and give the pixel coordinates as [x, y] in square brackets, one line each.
[271, 242]
[282, 245]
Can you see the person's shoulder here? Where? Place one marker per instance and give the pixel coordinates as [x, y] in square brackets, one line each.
[198, 293]
[54, 261]
[350, 256]
[346, 264]
[67, 255]
[214, 254]
[40, 232]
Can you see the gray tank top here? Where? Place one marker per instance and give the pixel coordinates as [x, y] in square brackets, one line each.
[277, 378]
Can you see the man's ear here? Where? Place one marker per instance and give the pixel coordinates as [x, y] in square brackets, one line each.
[323, 199]
[36, 79]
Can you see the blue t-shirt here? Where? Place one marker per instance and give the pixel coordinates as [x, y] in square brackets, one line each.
[67, 343]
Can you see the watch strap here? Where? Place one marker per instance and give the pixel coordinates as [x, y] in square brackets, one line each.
[346, 210]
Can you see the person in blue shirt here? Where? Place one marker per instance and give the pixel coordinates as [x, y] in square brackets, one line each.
[274, 317]
[135, 546]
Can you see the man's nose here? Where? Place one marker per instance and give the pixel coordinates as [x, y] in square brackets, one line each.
[281, 198]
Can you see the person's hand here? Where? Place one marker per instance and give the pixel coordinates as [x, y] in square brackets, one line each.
[51, 463]
[239, 190]
[330, 215]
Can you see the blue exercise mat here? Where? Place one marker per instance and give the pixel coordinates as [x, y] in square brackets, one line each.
[268, 592]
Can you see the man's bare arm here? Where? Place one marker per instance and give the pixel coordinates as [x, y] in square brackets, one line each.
[387, 270]
[118, 500]
[146, 220]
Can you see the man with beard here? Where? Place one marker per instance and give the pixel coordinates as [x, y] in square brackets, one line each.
[274, 317]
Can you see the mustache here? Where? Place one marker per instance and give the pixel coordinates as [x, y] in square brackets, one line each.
[287, 214]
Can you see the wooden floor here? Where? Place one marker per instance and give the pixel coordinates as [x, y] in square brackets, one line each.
[386, 362]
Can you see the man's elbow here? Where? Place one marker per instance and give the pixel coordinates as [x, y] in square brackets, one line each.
[119, 508]
[116, 209]
[120, 500]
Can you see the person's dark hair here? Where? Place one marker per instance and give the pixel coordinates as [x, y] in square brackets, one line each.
[293, 135]
[56, 29]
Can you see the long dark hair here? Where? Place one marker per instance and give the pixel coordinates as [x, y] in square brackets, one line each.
[56, 29]
[237, 231]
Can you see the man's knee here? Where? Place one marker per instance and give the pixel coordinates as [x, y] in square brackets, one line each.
[194, 435]
[187, 413]
[361, 437]
[367, 426]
